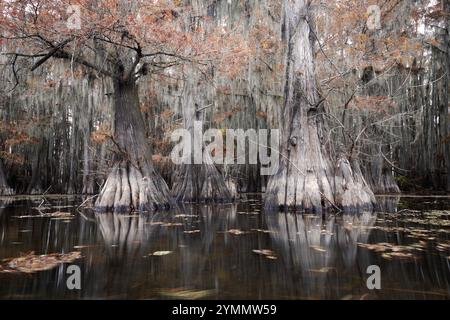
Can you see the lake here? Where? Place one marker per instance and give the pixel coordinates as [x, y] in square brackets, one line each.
[229, 251]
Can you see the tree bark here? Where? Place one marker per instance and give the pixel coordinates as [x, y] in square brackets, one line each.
[133, 183]
[38, 162]
[305, 178]
[88, 179]
[197, 182]
[5, 190]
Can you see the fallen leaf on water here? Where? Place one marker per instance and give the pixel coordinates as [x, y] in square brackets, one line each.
[267, 253]
[441, 246]
[262, 230]
[85, 246]
[386, 256]
[237, 232]
[160, 253]
[169, 224]
[186, 216]
[249, 213]
[56, 214]
[322, 270]
[264, 252]
[62, 207]
[42, 208]
[64, 219]
[318, 249]
[377, 247]
[182, 293]
[191, 231]
[31, 263]
[400, 255]
[155, 223]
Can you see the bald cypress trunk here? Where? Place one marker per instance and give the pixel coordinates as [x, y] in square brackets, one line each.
[5, 190]
[35, 185]
[88, 179]
[306, 176]
[133, 183]
[441, 69]
[197, 182]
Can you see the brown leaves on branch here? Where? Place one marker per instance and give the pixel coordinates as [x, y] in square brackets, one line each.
[379, 104]
[101, 135]
[160, 32]
[12, 158]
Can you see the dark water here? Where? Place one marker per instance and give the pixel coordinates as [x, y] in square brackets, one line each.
[310, 257]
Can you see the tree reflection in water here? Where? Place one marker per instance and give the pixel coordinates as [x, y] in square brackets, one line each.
[315, 248]
[209, 252]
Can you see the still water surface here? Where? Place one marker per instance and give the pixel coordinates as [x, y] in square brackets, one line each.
[232, 251]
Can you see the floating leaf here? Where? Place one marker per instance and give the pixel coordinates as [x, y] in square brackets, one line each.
[191, 231]
[181, 293]
[237, 232]
[160, 253]
[267, 253]
[322, 270]
[57, 214]
[155, 223]
[262, 230]
[31, 263]
[250, 213]
[186, 216]
[170, 224]
[318, 249]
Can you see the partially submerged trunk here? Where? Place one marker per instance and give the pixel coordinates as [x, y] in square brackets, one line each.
[200, 183]
[197, 182]
[35, 185]
[352, 190]
[305, 178]
[378, 170]
[5, 190]
[88, 178]
[133, 183]
[232, 186]
[88, 152]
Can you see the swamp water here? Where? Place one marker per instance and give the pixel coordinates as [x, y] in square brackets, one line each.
[229, 251]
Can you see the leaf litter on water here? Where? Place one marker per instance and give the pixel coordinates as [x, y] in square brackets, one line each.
[31, 263]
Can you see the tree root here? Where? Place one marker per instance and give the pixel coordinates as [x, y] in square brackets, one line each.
[200, 183]
[126, 189]
[315, 189]
[6, 191]
[300, 190]
[352, 191]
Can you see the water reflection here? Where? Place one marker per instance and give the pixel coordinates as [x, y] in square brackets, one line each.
[318, 246]
[227, 252]
[388, 203]
[186, 236]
